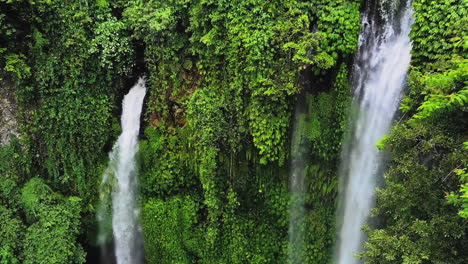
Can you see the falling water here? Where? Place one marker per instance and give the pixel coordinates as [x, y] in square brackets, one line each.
[297, 184]
[122, 178]
[379, 76]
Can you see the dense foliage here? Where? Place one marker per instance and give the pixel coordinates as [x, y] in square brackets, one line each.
[66, 62]
[223, 80]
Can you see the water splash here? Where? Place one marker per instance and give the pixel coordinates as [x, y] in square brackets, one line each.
[121, 184]
[379, 77]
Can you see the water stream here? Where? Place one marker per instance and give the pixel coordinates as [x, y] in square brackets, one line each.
[297, 185]
[379, 79]
[120, 183]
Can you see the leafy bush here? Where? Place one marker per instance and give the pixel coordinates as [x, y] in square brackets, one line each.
[54, 224]
[170, 230]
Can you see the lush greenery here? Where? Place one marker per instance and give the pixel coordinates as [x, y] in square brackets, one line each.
[223, 80]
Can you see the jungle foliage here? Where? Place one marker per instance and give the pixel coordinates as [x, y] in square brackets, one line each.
[223, 80]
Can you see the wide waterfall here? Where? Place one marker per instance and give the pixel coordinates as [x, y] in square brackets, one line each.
[120, 179]
[379, 78]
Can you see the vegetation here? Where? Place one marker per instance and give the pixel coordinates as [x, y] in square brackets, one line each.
[223, 80]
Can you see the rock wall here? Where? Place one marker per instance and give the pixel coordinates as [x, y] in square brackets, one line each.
[8, 112]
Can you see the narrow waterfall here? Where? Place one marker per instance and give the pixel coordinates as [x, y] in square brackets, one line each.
[120, 179]
[379, 78]
[297, 185]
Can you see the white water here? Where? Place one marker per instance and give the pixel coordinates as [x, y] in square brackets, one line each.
[122, 177]
[380, 73]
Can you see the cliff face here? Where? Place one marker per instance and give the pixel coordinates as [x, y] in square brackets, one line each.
[8, 112]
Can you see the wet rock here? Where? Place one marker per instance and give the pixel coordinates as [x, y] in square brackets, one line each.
[8, 113]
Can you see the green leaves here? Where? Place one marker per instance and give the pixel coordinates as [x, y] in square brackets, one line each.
[439, 30]
[446, 92]
[419, 224]
[113, 44]
[11, 235]
[15, 64]
[169, 230]
[340, 23]
[460, 197]
[52, 227]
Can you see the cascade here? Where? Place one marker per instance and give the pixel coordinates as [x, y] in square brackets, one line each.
[379, 76]
[297, 185]
[120, 179]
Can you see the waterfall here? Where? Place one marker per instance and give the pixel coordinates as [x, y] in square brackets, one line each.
[120, 179]
[297, 184]
[379, 78]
